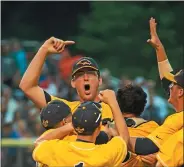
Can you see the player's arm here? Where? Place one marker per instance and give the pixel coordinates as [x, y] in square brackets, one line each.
[137, 145]
[149, 160]
[159, 164]
[109, 97]
[29, 82]
[163, 62]
[58, 133]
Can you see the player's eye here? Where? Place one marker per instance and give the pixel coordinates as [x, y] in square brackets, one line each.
[79, 74]
[91, 72]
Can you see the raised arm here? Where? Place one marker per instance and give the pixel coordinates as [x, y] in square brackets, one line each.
[29, 82]
[163, 62]
[109, 97]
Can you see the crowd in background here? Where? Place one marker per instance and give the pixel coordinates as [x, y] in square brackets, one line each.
[20, 117]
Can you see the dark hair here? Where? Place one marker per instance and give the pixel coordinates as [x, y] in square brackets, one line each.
[131, 99]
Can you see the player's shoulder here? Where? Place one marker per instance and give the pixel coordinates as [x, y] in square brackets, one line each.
[117, 140]
[150, 124]
[72, 104]
[174, 116]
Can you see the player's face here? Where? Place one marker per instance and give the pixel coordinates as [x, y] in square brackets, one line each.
[176, 92]
[86, 82]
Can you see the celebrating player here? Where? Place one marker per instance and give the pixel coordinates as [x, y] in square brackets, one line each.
[132, 101]
[86, 121]
[85, 78]
[174, 122]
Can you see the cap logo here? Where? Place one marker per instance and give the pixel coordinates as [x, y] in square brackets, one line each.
[84, 62]
[45, 123]
[79, 130]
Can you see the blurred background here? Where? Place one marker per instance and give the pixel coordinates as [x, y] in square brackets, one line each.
[113, 33]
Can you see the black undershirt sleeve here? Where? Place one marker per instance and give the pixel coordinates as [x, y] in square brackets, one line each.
[127, 157]
[145, 146]
[102, 138]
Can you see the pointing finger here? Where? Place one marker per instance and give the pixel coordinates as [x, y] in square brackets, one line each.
[69, 42]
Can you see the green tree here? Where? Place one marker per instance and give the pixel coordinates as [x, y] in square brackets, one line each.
[115, 34]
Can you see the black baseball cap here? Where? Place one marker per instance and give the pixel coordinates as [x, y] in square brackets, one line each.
[54, 113]
[87, 118]
[85, 62]
[178, 78]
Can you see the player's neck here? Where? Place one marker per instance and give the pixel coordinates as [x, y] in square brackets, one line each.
[129, 115]
[179, 106]
[90, 139]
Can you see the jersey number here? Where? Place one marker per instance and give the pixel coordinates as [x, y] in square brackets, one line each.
[80, 164]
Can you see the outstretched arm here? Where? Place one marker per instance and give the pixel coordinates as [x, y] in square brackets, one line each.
[162, 60]
[29, 82]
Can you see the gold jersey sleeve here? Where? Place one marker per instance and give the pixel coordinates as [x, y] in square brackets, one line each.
[42, 153]
[106, 110]
[172, 124]
[68, 138]
[79, 154]
[171, 152]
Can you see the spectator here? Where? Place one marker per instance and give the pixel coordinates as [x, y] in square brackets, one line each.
[19, 55]
[9, 67]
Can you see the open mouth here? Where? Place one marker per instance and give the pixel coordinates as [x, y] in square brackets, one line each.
[87, 87]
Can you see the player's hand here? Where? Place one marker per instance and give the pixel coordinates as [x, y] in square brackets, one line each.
[107, 96]
[55, 45]
[154, 41]
[149, 159]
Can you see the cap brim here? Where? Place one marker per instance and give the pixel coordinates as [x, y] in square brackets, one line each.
[84, 67]
[170, 77]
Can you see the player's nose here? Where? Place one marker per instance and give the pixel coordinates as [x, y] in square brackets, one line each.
[86, 77]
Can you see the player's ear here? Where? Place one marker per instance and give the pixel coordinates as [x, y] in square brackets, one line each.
[181, 93]
[100, 81]
[73, 83]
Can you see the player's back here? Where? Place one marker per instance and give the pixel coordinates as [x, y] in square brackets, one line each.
[80, 153]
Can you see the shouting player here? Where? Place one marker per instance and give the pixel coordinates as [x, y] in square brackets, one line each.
[85, 78]
[86, 121]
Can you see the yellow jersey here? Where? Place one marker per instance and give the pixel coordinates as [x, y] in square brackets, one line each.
[171, 152]
[106, 110]
[60, 153]
[142, 130]
[172, 124]
[68, 138]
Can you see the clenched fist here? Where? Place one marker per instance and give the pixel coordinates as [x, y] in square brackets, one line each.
[55, 45]
[108, 96]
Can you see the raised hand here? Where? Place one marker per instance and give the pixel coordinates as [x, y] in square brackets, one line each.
[55, 45]
[154, 41]
[107, 96]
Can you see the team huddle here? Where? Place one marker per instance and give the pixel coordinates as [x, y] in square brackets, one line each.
[104, 129]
